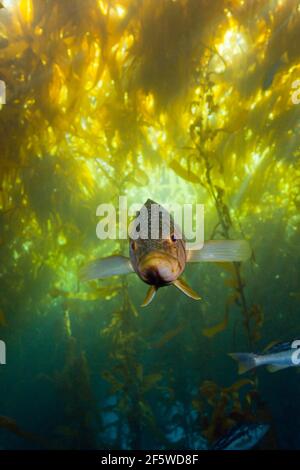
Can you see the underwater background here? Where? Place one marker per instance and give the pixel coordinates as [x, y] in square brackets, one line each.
[187, 101]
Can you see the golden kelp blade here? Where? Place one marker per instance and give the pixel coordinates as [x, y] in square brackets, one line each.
[150, 296]
[183, 173]
[170, 334]
[211, 331]
[182, 285]
[26, 9]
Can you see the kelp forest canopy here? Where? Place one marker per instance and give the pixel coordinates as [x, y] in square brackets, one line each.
[176, 100]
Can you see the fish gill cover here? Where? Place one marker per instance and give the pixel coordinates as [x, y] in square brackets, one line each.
[172, 100]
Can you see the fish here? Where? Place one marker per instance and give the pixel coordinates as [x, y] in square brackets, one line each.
[277, 356]
[242, 437]
[160, 261]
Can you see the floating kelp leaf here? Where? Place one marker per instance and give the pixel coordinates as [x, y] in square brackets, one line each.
[26, 9]
[137, 178]
[231, 283]
[140, 177]
[11, 425]
[1, 5]
[239, 384]
[116, 385]
[256, 314]
[228, 267]
[133, 309]
[146, 411]
[209, 389]
[168, 336]
[58, 92]
[150, 381]
[67, 324]
[183, 172]
[238, 121]
[114, 323]
[210, 332]
[225, 407]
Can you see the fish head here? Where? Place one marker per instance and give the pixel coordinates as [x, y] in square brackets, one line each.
[158, 261]
[158, 266]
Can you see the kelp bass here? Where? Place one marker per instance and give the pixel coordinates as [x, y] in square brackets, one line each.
[160, 261]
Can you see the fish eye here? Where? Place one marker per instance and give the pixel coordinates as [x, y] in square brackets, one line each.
[173, 238]
[133, 245]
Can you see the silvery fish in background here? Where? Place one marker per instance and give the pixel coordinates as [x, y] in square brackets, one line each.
[242, 437]
[277, 356]
[161, 261]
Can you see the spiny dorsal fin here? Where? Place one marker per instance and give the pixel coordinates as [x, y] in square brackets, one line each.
[150, 296]
[182, 285]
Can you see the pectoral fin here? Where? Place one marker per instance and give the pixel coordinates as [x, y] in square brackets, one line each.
[106, 267]
[221, 251]
[182, 285]
[150, 296]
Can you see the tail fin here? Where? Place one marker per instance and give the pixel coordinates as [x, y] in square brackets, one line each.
[246, 361]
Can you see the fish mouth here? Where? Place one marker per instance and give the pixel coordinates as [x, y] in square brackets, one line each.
[158, 269]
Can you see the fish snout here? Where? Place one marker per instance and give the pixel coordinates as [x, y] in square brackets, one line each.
[158, 271]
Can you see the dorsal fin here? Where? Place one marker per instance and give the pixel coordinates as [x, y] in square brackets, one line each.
[182, 285]
[149, 296]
